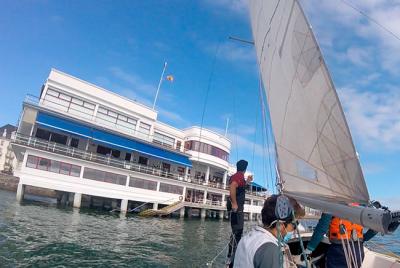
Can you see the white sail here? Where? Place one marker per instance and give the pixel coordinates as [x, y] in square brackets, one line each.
[315, 152]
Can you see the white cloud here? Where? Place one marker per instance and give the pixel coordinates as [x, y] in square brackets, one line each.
[359, 56]
[237, 52]
[374, 117]
[331, 16]
[134, 81]
[174, 117]
[235, 6]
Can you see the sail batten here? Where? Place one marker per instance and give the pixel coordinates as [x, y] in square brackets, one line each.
[315, 151]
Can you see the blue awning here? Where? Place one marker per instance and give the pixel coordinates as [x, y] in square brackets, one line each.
[113, 140]
[258, 187]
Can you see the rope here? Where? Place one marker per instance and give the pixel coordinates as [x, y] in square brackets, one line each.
[300, 239]
[345, 253]
[210, 263]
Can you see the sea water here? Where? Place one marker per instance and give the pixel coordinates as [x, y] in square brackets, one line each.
[38, 235]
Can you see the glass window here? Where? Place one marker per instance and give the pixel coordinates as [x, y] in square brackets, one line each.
[54, 166]
[144, 128]
[65, 97]
[168, 188]
[102, 110]
[52, 92]
[122, 117]
[207, 149]
[77, 101]
[58, 138]
[75, 170]
[32, 161]
[112, 114]
[43, 164]
[143, 184]
[65, 168]
[89, 105]
[42, 134]
[99, 175]
[143, 160]
[74, 142]
[178, 145]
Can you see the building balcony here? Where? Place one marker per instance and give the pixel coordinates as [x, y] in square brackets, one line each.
[43, 145]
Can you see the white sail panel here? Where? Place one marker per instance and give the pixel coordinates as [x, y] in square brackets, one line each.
[316, 155]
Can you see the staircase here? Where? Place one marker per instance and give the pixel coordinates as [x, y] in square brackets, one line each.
[162, 212]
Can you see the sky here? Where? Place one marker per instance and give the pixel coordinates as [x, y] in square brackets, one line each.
[122, 46]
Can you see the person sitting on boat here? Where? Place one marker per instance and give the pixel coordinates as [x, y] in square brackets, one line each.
[263, 246]
[346, 240]
[235, 205]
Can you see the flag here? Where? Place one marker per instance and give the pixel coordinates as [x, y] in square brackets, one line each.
[170, 78]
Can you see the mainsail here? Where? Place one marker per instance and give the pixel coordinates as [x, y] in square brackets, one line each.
[316, 157]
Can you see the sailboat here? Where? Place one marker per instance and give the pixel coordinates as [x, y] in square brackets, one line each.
[317, 163]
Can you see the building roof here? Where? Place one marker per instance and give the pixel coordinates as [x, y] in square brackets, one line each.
[9, 129]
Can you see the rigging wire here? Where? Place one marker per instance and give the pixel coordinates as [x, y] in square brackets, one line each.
[234, 123]
[254, 140]
[210, 79]
[267, 146]
[371, 19]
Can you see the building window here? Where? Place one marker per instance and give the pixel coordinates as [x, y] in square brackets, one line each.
[74, 142]
[163, 140]
[42, 134]
[178, 145]
[53, 166]
[143, 160]
[103, 176]
[69, 103]
[207, 149]
[168, 188]
[108, 151]
[121, 121]
[143, 184]
[58, 138]
[144, 128]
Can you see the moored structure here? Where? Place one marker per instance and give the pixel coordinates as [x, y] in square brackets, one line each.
[86, 142]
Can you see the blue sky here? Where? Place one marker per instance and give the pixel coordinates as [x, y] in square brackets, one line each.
[121, 45]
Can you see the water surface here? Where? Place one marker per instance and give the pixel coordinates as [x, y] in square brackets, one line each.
[37, 235]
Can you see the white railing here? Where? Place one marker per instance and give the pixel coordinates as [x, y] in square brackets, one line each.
[98, 158]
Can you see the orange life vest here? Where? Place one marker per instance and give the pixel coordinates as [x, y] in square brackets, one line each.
[335, 232]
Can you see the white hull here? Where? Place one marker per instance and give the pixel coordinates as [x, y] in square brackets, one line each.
[373, 259]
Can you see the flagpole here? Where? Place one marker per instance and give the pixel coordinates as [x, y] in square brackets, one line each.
[159, 84]
[226, 128]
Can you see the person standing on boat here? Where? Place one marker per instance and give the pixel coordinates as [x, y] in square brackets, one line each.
[263, 246]
[346, 241]
[235, 205]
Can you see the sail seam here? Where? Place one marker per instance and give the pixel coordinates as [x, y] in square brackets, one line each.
[347, 172]
[291, 92]
[326, 121]
[316, 184]
[317, 168]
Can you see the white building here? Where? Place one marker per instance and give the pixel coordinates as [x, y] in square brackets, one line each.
[8, 162]
[79, 138]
